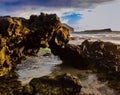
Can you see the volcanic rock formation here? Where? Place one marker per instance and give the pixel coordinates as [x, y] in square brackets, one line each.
[20, 37]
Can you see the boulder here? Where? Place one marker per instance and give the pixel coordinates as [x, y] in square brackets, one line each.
[64, 84]
[70, 54]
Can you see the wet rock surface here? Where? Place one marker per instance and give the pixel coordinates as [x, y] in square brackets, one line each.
[64, 84]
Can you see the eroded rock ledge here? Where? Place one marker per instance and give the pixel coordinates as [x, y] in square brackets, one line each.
[20, 37]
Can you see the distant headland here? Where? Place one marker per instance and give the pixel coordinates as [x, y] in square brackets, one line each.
[99, 30]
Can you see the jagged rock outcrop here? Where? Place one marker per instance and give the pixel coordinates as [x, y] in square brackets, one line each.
[101, 57]
[20, 37]
[105, 55]
[64, 84]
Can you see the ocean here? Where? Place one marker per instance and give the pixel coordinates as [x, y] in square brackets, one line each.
[79, 37]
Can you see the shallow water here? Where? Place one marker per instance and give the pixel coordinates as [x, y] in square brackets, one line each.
[37, 66]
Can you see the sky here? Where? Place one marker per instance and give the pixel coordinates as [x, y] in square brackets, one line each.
[80, 14]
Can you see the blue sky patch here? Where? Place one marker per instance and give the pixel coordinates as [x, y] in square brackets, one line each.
[71, 17]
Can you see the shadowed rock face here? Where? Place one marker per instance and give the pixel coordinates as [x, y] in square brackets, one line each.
[20, 37]
[65, 84]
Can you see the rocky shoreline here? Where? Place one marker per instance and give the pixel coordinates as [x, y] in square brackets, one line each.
[23, 37]
[101, 57]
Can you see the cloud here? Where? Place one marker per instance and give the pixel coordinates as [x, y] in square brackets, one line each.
[105, 16]
[81, 10]
[27, 7]
[74, 3]
[56, 3]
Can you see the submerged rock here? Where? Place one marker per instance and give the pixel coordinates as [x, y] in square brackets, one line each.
[65, 84]
[20, 37]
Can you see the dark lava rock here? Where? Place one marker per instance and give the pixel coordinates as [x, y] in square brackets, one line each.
[20, 37]
[104, 55]
[65, 84]
[70, 54]
[101, 57]
[99, 54]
